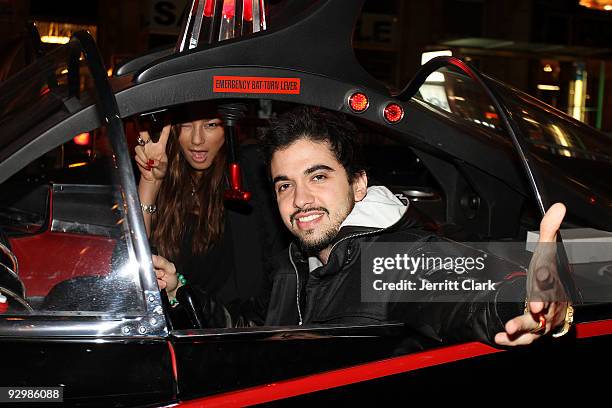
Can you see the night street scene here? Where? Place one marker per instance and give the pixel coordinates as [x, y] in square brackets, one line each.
[222, 203]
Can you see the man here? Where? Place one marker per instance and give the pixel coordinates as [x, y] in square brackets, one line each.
[324, 200]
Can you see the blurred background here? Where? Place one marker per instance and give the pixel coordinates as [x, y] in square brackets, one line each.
[559, 51]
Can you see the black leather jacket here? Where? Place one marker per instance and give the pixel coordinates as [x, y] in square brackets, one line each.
[331, 294]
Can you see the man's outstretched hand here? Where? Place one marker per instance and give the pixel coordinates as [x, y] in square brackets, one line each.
[548, 298]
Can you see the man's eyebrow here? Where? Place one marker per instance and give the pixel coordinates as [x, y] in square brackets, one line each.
[279, 178]
[317, 167]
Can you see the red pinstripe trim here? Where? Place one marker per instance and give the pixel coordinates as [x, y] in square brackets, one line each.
[513, 275]
[593, 329]
[173, 358]
[368, 371]
[345, 376]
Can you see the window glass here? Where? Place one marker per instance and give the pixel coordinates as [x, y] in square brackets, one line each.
[62, 218]
[459, 95]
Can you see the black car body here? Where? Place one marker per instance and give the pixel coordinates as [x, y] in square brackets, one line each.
[96, 324]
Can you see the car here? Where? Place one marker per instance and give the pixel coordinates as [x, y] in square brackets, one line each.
[82, 310]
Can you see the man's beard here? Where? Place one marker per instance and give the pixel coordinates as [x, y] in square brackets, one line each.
[313, 248]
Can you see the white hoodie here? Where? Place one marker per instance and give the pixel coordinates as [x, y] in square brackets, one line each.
[380, 208]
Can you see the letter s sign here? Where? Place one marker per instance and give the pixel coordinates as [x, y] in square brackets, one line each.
[164, 13]
[167, 16]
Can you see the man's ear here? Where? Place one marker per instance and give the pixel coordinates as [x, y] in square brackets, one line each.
[360, 185]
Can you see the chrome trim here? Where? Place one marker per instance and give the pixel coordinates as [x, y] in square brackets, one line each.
[290, 332]
[12, 257]
[16, 276]
[80, 228]
[414, 193]
[134, 225]
[16, 297]
[77, 327]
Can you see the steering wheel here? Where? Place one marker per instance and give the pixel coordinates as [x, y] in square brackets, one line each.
[18, 301]
[5, 249]
[11, 285]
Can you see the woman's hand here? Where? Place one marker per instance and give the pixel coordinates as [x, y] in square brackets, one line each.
[151, 157]
[166, 275]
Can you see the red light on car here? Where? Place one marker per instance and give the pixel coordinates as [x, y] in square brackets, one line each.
[82, 139]
[247, 11]
[393, 112]
[208, 8]
[359, 102]
[491, 115]
[229, 9]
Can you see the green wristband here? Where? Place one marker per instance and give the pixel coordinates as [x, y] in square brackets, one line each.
[181, 279]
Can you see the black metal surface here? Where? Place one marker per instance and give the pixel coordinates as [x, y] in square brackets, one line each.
[231, 113]
[565, 366]
[220, 363]
[140, 61]
[104, 372]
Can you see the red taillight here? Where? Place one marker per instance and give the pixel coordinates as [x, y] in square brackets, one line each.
[393, 112]
[359, 102]
[248, 10]
[208, 8]
[82, 139]
[229, 8]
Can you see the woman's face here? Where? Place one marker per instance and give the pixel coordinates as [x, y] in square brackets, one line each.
[200, 141]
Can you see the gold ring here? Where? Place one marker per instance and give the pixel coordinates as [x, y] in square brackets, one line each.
[541, 325]
[141, 141]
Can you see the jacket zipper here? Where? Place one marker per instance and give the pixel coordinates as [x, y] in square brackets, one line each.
[297, 285]
[297, 276]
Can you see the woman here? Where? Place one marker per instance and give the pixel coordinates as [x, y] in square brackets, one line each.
[221, 248]
[181, 190]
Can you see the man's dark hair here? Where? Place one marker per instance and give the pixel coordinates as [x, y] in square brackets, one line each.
[318, 125]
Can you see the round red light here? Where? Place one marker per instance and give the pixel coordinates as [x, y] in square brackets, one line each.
[82, 139]
[359, 102]
[393, 113]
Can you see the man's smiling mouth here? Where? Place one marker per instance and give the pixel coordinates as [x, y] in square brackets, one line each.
[308, 219]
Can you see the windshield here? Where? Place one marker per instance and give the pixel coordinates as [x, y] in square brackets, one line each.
[64, 235]
[548, 130]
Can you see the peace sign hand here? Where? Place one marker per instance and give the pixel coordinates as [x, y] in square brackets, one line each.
[151, 157]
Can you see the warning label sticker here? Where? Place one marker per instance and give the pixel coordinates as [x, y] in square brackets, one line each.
[257, 85]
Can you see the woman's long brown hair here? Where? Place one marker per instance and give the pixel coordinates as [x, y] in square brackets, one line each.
[175, 203]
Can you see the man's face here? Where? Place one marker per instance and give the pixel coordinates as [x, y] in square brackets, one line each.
[313, 192]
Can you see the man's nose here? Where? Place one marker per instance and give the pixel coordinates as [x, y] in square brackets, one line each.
[303, 197]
